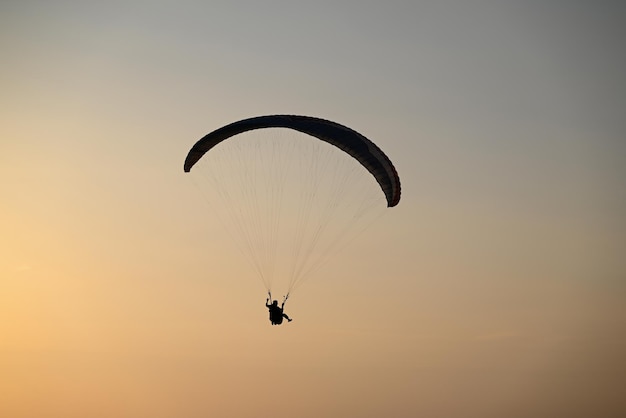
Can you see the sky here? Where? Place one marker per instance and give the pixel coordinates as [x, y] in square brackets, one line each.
[496, 288]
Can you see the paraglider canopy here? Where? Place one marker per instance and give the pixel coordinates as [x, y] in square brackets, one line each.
[291, 190]
[344, 138]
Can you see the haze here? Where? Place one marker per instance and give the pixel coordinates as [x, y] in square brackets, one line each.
[496, 288]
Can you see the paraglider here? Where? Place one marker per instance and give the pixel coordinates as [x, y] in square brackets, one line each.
[276, 312]
[292, 188]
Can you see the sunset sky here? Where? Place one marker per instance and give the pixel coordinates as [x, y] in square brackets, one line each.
[496, 288]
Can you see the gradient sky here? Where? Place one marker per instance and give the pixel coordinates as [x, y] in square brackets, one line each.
[496, 288]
